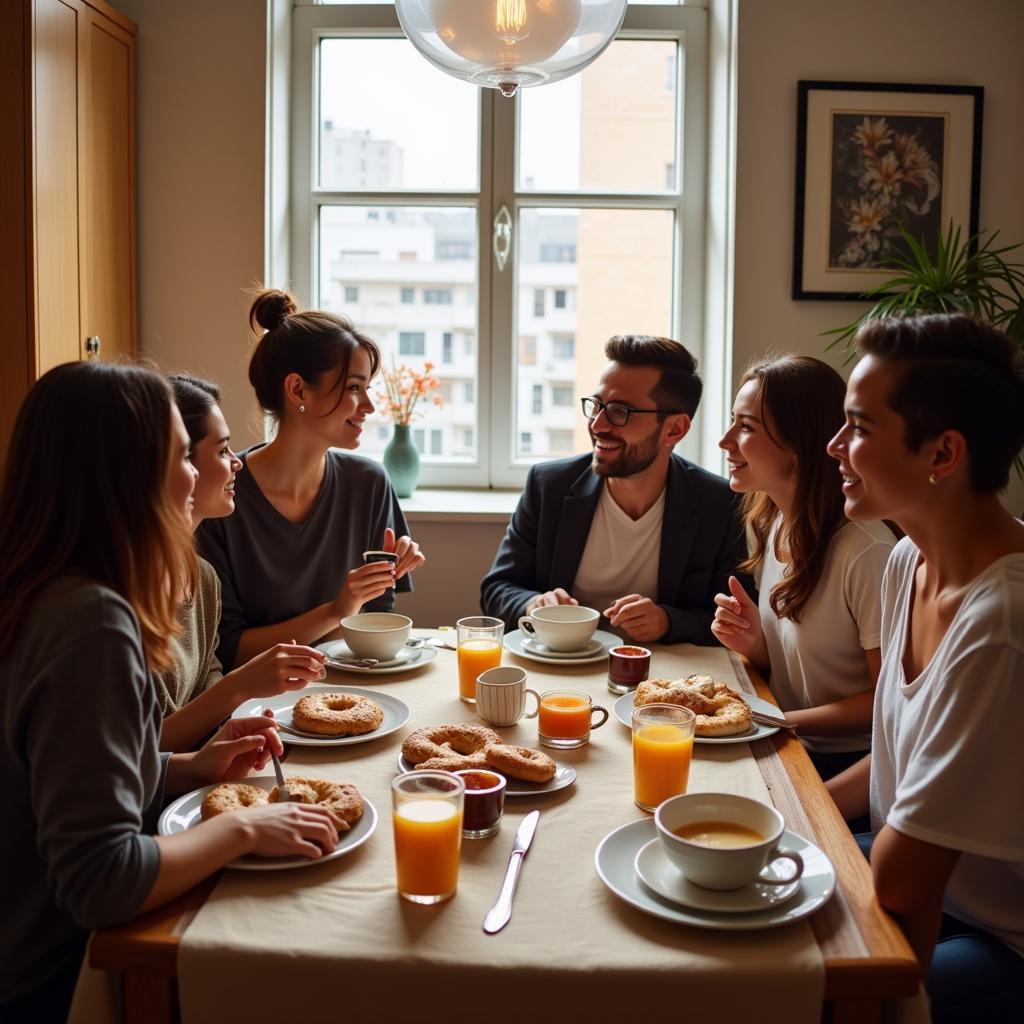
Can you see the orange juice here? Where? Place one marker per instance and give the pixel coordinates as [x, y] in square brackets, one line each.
[475, 656]
[428, 838]
[564, 717]
[661, 763]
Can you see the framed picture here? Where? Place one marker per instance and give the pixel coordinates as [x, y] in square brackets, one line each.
[870, 158]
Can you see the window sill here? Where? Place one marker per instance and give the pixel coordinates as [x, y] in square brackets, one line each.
[445, 505]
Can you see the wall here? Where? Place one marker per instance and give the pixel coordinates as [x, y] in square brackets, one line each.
[201, 87]
[921, 41]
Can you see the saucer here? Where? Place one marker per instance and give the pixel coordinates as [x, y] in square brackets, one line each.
[591, 647]
[516, 643]
[623, 711]
[408, 659]
[616, 854]
[657, 872]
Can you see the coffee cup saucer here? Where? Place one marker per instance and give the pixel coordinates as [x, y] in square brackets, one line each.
[589, 649]
[515, 642]
[659, 874]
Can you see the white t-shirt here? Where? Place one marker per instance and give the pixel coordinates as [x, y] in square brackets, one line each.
[820, 659]
[621, 556]
[946, 765]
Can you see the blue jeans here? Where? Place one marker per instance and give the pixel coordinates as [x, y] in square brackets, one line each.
[974, 977]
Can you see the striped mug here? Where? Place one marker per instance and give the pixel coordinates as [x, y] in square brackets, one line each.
[501, 695]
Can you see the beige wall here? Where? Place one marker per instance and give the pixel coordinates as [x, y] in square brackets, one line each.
[921, 41]
[201, 97]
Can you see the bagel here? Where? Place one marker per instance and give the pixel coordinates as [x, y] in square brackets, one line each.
[449, 743]
[336, 714]
[720, 711]
[520, 762]
[341, 797]
[230, 796]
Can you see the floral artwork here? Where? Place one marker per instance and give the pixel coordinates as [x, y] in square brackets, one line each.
[402, 390]
[887, 173]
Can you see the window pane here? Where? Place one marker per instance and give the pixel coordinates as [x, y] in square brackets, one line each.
[388, 119]
[610, 128]
[620, 283]
[392, 259]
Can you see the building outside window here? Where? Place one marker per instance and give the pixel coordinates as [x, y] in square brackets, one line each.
[468, 391]
[560, 441]
[538, 302]
[446, 347]
[563, 346]
[560, 294]
[412, 343]
[408, 296]
[538, 399]
[437, 296]
[526, 441]
[562, 395]
[351, 293]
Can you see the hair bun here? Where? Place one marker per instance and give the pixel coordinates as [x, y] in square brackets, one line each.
[271, 308]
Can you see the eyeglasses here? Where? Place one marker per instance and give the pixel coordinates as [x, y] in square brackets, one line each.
[617, 413]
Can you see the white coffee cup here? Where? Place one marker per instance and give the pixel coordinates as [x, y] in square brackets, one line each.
[378, 635]
[561, 627]
[501, 695]
[724, 867]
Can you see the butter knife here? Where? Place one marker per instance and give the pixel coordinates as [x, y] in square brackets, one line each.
[500, 914]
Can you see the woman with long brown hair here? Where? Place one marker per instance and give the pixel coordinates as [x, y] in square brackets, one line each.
[94, 539]
[816, 628]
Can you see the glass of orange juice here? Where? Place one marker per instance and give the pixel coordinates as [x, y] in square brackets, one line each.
[565, 718]
[427, 819]
[662, 747]
[479, 648]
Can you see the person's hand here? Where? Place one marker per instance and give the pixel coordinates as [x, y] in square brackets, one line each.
[548, 598]
[737, 622]
[639, 617]
[283, 667]
[289, 830]
[409, 555]
[240, 746]
[362, 584]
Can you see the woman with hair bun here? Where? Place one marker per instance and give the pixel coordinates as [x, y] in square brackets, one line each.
[290, 558]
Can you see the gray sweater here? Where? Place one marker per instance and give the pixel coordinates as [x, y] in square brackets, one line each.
[272, 569]
[82, 778]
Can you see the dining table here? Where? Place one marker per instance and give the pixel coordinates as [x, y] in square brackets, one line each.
[335, 941]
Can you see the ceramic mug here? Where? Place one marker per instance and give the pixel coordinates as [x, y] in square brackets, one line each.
[379, 635]
[560, 627]
[501, 695]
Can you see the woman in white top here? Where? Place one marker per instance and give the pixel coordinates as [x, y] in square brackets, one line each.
[934, 421]
[815, 628]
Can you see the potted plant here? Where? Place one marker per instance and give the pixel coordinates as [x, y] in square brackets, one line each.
[403, 388]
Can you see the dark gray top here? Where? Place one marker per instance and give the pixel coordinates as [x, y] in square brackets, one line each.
[82, 779]
[272, 569]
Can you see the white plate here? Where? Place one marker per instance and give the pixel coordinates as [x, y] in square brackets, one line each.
[410, 659]
[616, 854]
[658, 872]
[513, 642]
[185, 812]
[591, 648]
[623, 709]
[396, 714]
[565, 775]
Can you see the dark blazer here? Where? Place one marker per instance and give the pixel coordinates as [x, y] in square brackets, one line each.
[702, 542]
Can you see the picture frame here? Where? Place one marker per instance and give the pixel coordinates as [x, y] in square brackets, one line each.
[871, 156]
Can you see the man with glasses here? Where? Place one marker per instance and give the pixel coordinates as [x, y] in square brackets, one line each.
[632, 529]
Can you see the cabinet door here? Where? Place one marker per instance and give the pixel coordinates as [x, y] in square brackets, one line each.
[108, 169]
[55, 168]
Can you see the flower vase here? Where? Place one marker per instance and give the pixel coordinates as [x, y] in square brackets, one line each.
[402, 461]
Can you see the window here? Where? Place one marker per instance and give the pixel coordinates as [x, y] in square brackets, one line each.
[419, 436]
[562, 395]
[412, 343]
[351, 293]
[405, 215]
[538, 399]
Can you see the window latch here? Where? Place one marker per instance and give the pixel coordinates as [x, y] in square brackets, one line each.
[502, 237]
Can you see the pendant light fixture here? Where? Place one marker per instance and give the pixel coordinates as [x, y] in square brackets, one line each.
[510, 44]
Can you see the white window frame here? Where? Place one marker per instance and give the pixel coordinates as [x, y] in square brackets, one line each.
[496, 464]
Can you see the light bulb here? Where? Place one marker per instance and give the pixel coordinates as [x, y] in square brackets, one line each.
[510, 21]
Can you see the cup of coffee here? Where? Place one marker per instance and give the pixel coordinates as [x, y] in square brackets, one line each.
[566, 718]
[628, 667]
[723, 841]
[560, 627]
[501, 695]
[484, 802]
[379, 635]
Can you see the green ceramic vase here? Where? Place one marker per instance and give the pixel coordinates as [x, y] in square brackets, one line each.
[402, 461]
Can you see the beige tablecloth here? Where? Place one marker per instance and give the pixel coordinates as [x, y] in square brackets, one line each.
[335, 942]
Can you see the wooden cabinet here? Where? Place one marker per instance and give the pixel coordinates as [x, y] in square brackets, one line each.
[67, 190]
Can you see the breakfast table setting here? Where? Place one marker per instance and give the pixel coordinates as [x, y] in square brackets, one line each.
[589, 901]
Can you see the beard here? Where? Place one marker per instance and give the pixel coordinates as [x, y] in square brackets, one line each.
[632, 459]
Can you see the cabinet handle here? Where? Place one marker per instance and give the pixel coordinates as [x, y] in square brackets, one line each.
[92, 346]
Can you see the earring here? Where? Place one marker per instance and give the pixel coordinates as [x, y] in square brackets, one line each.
[932, 480]
[302, 408]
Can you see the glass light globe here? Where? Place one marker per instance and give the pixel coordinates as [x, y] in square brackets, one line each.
[510, 44]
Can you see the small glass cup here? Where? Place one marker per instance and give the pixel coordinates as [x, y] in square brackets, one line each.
[662, 748]
[479, 648]
[628, 666]
[565, 718]
[427, 819]
[485, 802]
